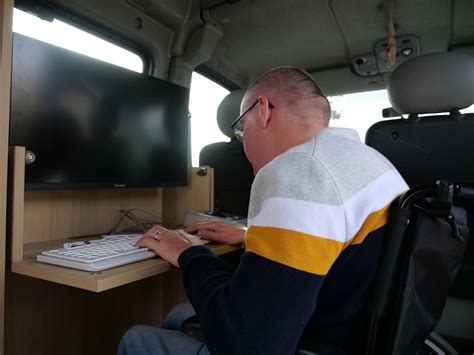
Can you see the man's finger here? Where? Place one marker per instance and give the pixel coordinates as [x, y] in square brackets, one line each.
[183, 238]
[150, 235]
[148, 242]
[197, 226]
[209, 234]
[144, 236]
[191, 229]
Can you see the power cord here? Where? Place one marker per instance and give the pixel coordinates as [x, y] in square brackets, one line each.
[140, 223]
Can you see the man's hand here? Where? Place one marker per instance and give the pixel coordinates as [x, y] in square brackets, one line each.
[167, 244]
[218, 231]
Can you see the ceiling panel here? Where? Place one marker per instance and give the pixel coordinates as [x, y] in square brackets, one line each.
[261, 34]
[320, 35]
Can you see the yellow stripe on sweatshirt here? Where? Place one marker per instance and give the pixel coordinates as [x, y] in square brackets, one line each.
[374, 221]
[294, 249]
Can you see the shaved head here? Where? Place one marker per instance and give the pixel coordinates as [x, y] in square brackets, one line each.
[281, 109]
[297, 90]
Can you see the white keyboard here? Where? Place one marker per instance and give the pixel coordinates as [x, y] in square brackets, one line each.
[105, 253]
[97, 254]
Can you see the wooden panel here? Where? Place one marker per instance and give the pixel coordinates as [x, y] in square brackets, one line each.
[52, 218]
[16, 199]
[6, 15]
[175, 293]
[46, 319]
[197, 196]
[52, 215]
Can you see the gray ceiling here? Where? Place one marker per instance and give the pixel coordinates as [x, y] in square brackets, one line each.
[322, 36]
[327, 35]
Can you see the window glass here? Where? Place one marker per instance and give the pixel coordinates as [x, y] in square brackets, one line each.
[358, 111]
[469, 109]
[74, 39]
[204, 99]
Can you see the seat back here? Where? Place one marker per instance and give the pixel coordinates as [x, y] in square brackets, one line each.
[233, 174]
[426, 149]
[423, 251]
[429, 148]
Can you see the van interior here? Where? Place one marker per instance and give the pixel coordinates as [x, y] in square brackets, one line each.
[64, 177]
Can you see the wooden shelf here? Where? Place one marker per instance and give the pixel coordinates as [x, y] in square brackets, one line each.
[93, 281]
[41, 220]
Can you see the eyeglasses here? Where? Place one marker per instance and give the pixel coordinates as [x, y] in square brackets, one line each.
[237, 126]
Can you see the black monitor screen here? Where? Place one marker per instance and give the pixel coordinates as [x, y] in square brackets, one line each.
[92, 124]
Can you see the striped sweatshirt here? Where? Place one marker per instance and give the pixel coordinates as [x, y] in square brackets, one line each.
[315, 229]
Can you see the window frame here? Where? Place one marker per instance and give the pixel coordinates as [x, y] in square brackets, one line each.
[216, 78]
[48, 12]
[198, 70]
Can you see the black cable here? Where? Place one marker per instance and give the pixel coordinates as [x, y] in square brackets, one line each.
[141, 224]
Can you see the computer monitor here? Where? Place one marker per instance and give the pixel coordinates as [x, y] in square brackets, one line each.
[95, 125]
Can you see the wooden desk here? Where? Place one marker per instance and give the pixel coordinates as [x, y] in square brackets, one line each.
[42, 220]
[93, 281]
[45, 318]
[51, 309]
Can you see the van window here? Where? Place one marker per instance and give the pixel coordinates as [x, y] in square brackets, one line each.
[469, 109]
[359, 111]
[204, 99]
[69, 37]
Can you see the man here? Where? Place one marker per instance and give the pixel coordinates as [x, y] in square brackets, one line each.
[318, 206]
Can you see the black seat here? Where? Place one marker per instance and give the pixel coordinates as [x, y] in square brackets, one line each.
[423, 250]
[426, 149]
[233, 174]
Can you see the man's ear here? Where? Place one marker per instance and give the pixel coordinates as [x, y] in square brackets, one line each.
[265, 111]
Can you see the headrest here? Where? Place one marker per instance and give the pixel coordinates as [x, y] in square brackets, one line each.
[438, 82]
[228, 111]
